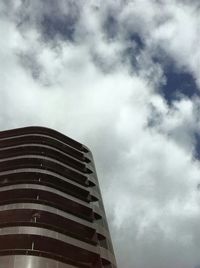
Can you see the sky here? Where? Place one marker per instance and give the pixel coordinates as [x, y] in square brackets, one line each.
[122, 77]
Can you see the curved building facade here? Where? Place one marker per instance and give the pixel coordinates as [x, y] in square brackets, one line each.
[51, 210]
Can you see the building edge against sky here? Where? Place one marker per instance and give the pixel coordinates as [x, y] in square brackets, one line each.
[51, 209]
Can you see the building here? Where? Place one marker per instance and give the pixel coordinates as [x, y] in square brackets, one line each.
[51, 210]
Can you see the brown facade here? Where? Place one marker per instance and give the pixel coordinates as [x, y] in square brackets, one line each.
[51, 210]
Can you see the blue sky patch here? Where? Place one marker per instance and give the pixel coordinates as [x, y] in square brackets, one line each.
[63, 26]
[197, 147]
[137, 40]
[178, 83]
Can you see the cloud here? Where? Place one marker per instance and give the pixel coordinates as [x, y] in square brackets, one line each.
[95, 72]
